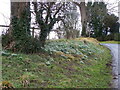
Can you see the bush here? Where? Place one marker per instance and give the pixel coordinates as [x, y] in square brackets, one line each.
[109, 37]
[102, 38]
[6, 39]
[117, 36]
[113, 36]
[26, 45]
[29, 45]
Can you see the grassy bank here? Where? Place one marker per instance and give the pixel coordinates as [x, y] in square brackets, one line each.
[65, 64]
[112, 42]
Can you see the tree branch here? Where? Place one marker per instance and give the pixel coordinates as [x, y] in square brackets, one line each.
[57, 11]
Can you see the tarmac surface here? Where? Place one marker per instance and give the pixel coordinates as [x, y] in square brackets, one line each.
[115, 51]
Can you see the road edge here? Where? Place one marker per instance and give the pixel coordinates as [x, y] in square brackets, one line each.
[114, 76]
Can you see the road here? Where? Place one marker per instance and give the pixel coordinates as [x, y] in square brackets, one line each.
[115, 50]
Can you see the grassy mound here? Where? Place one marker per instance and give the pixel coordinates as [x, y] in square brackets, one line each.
[92, 40]
[65, 64]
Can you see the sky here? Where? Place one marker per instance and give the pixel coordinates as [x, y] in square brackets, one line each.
[5, 10]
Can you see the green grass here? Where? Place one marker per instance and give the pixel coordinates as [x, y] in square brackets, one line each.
[113, 42]
[66, 64]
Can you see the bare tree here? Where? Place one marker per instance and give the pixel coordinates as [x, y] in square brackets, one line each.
[47, 14]
[70, 21]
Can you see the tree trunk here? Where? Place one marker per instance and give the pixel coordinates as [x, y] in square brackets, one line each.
[43, 37]
[106, 31]
[83, 17]
[20, 20]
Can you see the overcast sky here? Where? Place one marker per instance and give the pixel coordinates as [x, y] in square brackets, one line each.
[5, 10]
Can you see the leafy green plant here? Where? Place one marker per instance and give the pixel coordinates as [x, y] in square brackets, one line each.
[71, 47]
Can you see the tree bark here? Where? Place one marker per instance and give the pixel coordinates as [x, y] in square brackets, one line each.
[20, 19]
[43, 37]
[83, 13]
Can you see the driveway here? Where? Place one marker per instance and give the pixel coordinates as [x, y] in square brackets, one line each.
[115, 63]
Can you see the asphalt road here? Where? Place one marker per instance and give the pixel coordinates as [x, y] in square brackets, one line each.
[115, 51]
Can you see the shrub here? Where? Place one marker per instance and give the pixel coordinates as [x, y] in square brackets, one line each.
[113, 36]
[101, 38]
[109, 37]
[106, 38]
[25, 45]
[117, 36]
[6, 39]
[29, 45]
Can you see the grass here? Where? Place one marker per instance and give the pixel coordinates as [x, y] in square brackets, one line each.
[112, 42]
[62, 66]
[92, 40]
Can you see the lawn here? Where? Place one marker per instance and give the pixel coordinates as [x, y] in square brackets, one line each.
[64, 64]
[112, 42]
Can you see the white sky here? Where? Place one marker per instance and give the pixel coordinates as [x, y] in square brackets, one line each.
[5, 10]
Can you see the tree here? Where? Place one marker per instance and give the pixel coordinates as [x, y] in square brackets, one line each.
[20, 20]
[18, 37]
[83, 13]
[70, 21]
[111, 23]
[96, 14]
[47, 14]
